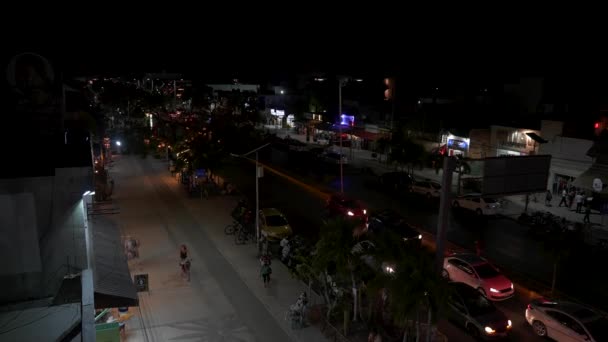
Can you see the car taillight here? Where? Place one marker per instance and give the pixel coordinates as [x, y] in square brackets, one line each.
[529, 307]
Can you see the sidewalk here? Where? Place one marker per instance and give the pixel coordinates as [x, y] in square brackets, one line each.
[516, 205]
[229, 310]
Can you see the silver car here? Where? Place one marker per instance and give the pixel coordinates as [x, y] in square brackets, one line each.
[566, 321]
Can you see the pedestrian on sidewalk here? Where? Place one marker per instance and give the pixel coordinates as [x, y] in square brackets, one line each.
[571, 197]
[564, 200]
[579, 202]
[548, 198]
[587, 219]
[265, 272]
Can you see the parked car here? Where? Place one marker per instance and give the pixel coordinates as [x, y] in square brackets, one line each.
[566, 321]
[397, 181]
[340, 205]
[274, 225]
[481, 319]
[479, 274]
[334, 158]
[392, 221]
[427, 188]
[478, 204]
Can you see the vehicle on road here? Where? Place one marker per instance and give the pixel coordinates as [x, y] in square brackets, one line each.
[478, 204]
[429, 189]
[471, 310]
[274, 225]
[389, 220]
[340, 205]
[479, 274]
[333, 158]
[398, 181]
[566, 321]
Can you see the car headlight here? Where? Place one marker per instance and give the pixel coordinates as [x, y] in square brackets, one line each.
[389, 269]
[493, 290]
[509, 324]
[419, 236]
[350, 213]
[489, 330]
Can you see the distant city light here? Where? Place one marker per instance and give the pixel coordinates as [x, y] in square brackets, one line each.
[282, 91]
[359, 80]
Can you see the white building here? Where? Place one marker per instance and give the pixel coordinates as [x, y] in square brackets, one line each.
[569, 155]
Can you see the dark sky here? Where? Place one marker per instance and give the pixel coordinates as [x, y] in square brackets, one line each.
[266, 45]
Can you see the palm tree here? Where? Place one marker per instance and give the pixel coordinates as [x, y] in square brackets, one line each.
[335, 250]
[411, 285]
[405, 151]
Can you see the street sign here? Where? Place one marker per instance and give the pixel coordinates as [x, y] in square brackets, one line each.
[515, 175]
[141, 282]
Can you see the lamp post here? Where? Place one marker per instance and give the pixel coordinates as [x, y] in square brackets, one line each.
[341, 83]
[257, 189]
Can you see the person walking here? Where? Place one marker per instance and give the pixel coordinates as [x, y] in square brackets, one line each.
[564, 200]
[578, 199]
[571, 194]
[265, 272]
[548, 198]
[587, 219]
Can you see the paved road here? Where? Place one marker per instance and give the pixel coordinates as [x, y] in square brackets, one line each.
[303, 209]
[217, 304]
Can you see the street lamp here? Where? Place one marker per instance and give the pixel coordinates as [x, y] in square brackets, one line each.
[342, 81]
[258, 174]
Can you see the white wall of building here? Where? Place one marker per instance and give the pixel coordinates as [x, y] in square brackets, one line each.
[569, 158]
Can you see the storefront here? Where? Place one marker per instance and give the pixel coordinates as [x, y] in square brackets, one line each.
[455, 145]
[277, 116]
[510, 141]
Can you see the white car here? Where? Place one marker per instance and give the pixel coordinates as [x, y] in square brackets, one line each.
[476, 203]
[427, 188]
[566, 321]
[479, 274]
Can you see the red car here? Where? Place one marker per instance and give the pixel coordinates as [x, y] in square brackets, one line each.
[340, 205]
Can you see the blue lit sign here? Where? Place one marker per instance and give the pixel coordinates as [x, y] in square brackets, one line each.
[347, 120]
[460, 144]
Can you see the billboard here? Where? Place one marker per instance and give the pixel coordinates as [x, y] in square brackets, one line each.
[512, 175]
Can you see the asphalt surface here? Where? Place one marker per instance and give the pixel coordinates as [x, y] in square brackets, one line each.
[304, 210]
[148, 196]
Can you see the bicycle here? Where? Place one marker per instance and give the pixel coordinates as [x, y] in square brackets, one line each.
[231, 228]
[243, 235]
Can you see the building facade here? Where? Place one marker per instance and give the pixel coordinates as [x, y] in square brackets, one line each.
[512, 141]
[569, 155]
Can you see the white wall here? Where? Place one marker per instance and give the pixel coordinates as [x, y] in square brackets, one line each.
[569, 157]
[43, 218]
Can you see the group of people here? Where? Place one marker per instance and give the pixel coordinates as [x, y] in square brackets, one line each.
[572, 196]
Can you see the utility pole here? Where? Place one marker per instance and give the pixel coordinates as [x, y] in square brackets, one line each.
[340, 84]
[449, 163]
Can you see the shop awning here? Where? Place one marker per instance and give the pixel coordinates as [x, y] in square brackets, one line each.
[536, 138]
[112, 280]
[596, 171]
